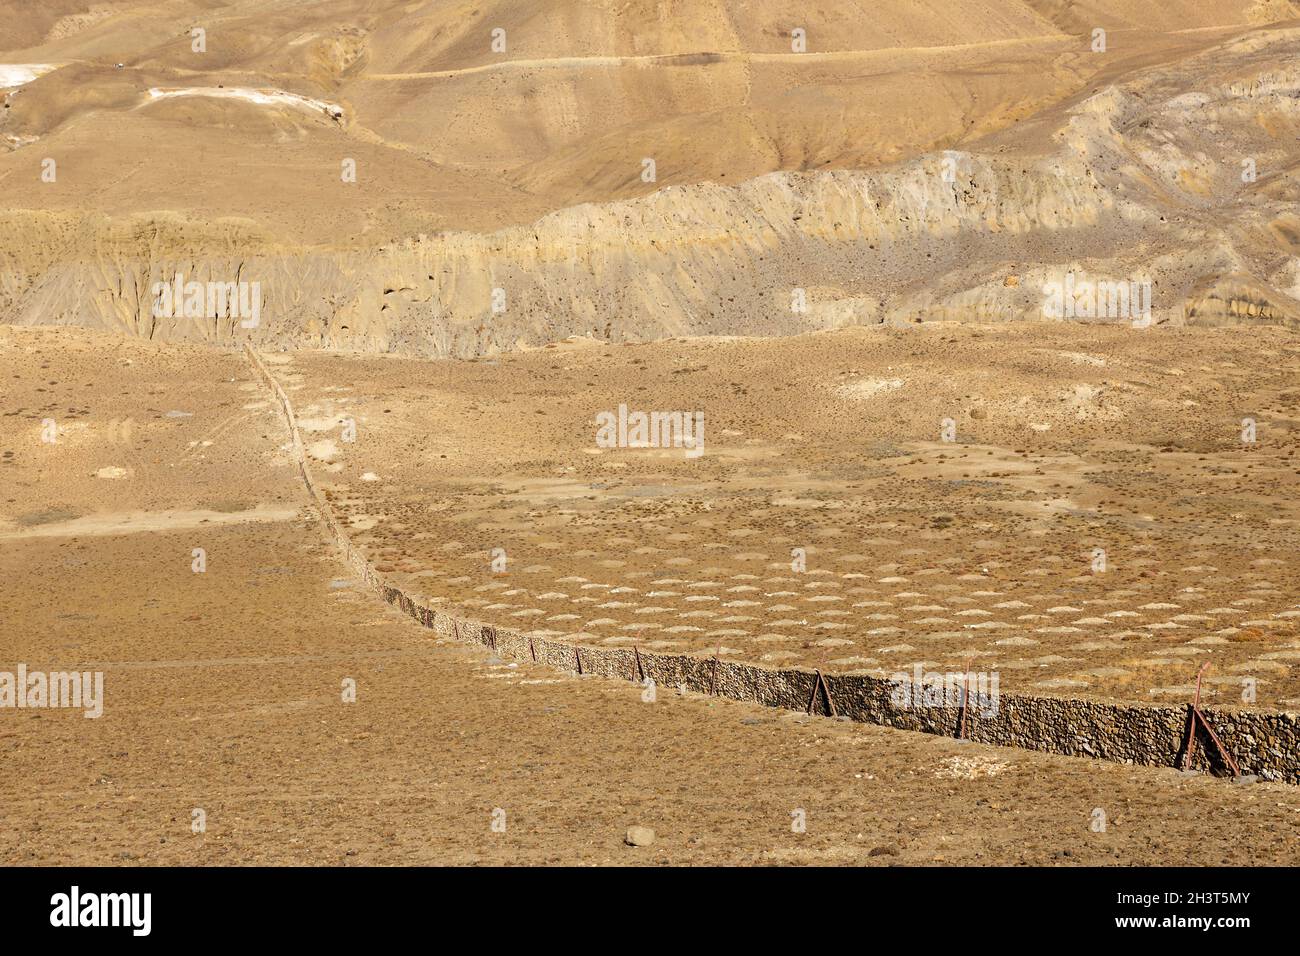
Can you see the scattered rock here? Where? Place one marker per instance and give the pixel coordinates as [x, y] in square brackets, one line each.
[639, 836]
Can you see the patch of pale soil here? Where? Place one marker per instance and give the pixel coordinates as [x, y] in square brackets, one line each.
[256, 97]
[323, 450]
[136, 522]
[970, 768]
[13, 75]
[869, 387]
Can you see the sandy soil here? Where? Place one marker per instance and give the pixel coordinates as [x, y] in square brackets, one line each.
[223, 693]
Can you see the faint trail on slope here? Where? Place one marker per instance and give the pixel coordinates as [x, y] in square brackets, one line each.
[706, 58]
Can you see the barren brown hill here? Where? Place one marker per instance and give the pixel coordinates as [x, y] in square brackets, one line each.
[1013, 153]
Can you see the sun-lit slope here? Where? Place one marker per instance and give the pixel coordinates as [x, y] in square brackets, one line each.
[1170, 15]
[566, 112]
[581, 95]
[787, 114]
[1136, 180]
[277, 164]
[25, 24]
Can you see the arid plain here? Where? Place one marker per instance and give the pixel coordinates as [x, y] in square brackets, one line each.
[837, 258]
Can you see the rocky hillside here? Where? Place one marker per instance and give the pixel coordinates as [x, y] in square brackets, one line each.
[1170, 169]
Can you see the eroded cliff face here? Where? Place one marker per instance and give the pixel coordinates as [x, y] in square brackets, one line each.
[1178, 181]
